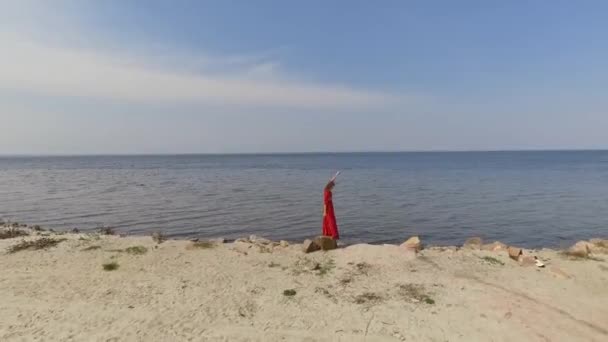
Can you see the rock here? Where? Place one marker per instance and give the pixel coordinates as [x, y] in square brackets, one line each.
[599, 246]
[194, 239]
[309, 246]
[242, 240]
[326, 243]
[514, 252]
[75, 230]
[527, 260]
[259, 240]
[473, 243]
[284, 243]
[496, 246]
[413, 243]
[580, 249]
[218, 241]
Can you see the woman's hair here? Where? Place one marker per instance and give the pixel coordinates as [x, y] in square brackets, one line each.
[330, 185]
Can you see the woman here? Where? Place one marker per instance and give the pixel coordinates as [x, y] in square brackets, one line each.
[330, 227]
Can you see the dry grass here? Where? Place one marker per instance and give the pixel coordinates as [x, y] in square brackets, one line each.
[12, 233]
[136, 250]
[368, 297]
[203, 244]
[39, 244]
[159, 237]
[492, 260]
[111, 266]
[416, 293]
[106, 230]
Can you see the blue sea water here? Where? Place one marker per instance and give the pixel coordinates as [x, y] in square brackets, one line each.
[526, 198]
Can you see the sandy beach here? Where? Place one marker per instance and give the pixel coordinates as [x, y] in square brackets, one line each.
[92, 287]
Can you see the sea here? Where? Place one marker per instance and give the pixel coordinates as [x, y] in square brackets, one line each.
[531, 199]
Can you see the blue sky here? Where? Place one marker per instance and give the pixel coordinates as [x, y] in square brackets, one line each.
[264, 76]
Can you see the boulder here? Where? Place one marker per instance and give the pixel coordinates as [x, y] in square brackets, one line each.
[309, 246]
[599, 246]
[514, 252]
[496, 246]
[326, 243]
[473, 243]
[284, 243]
[412, 243]
[580, 249]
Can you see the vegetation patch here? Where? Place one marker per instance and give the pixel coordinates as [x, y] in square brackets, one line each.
[492, 260]
[368, 297]
[203, 244]
[136, 250]
[289, 293]
[91, 248]
[415, 293]
[39, 244]
[106, 230]
[12, 233]
[159, 237]
[110, 266]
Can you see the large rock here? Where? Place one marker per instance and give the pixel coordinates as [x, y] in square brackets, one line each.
[284, 243]
[515, 252]
[580, 249]
[259, 240]
[599, 246]
[413, 244]
[495, 246]
[309, 246]
[326, 243]
[473, 243]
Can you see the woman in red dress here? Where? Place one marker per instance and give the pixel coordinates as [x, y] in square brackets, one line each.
[330, 227]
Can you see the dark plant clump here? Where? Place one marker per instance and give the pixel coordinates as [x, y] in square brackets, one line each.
[289, 293]
[111, 266]
[12, 233]
[39, 244]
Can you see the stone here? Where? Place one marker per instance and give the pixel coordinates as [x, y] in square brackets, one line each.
[599, 246]
[259, 240]
[284, 243]
[473, 243]
[242, 240]
[527, 260]
[309, 246]
[495, 246]
[218, 241]
[514, 252]
[412, 243]
[580, 249]
[326, 243]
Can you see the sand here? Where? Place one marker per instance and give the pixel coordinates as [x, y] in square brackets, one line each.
[175, 291]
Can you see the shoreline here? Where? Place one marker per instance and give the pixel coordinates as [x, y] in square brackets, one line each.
[96, 287]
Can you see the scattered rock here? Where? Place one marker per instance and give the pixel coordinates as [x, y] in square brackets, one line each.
[242, 240]
[38, 228]
[496, 246]
[309, 246]
[473, 243]
[514, 252]
[259, 240]
[326, 243]
[284, 243]
[413, 243]
[75, 230]
[599, 246]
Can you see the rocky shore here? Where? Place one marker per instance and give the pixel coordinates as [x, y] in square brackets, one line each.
[72, 286]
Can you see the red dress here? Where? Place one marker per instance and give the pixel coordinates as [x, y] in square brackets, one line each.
[330, 227]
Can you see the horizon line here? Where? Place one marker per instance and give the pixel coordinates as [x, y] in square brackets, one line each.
[289, 153]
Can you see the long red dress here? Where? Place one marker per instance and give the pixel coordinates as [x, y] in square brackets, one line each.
[330, 227]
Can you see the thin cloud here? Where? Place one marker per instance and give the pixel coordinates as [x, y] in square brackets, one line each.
[30, 66]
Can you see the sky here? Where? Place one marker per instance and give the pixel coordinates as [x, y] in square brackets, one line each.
[144, 77]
